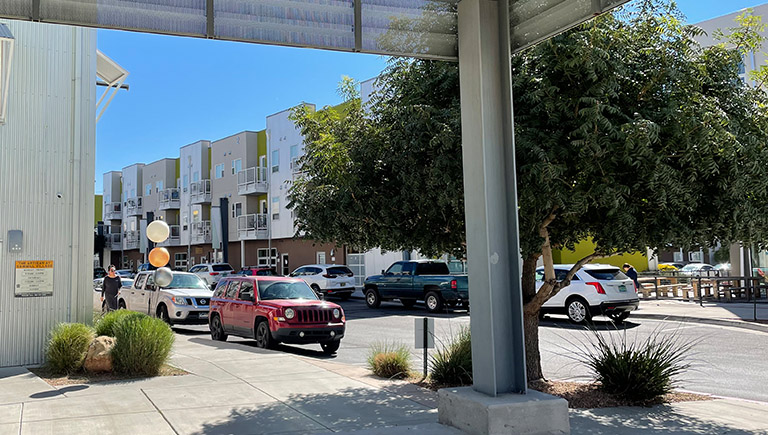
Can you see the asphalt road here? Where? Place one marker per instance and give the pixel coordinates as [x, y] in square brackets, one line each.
[725, 361]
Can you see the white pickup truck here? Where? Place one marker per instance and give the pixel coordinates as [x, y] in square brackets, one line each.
[185, 300]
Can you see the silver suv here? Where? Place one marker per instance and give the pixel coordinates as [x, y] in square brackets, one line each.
[211, 273]
[185, 300]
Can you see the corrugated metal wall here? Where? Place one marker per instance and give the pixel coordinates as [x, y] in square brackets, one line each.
[47, 149]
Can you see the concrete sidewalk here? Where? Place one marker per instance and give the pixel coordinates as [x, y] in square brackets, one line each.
[238, 389]
[734, 314]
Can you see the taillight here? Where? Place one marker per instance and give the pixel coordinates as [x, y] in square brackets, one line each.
[214, 273]
[350, 274]
[325, 275]
[454, 285]
[598, 287]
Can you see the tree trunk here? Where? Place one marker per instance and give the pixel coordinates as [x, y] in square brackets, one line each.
[531, 321]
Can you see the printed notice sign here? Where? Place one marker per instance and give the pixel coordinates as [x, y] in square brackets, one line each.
[34, 278]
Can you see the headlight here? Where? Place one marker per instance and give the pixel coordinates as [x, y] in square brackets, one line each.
[336, 313]
[289, 313]
[178, 300]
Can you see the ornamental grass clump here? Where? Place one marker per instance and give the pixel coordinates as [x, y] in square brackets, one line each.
[389, 360]
[67, 347]
[106, 324]
[452, 363]
[142, 345]
[637, 370]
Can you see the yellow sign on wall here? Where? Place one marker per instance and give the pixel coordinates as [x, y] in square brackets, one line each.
[34, 278]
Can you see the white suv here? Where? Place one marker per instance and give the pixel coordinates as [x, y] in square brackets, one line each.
[330, 279]
[211, 273]
[596, 289]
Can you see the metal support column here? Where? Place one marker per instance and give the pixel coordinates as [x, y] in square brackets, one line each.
[488, 149]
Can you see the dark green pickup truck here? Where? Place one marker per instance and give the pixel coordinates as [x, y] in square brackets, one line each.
[421, 280]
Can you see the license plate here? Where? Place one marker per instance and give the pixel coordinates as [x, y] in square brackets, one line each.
[203, 315]
[622, 288]
[342, 284]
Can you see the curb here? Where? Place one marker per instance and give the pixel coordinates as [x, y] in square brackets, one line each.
[743, 324]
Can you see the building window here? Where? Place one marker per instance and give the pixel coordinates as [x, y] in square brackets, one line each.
[106, 199]
[6, 57]
[275, 160]
[195, 177]
[159, 186]
[237, 166]
[180, 260]
[237, 209]
[148, 189]
[264, 259]
[133, 193]
[186, 182]
[219, 172]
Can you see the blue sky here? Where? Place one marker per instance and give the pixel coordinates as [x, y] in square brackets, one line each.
[187, 89]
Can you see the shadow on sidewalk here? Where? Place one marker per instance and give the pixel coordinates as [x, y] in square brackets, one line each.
[597, 325]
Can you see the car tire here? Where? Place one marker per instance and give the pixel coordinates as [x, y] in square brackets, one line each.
[316, 289]
[618, 318]
[217, 329]
[434, 302]
[408, 303]
[121, 305]
[263, 335]
[330, 347]
[162, 313]
[578, 311]
[372, 298]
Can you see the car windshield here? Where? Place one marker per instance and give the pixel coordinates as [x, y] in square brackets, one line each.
[271, 290]
[187, 281]
[606, 274]
[221, 267]
[690, 267]
[339, 270]
[266, 272]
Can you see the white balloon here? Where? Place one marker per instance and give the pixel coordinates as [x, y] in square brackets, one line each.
[163, 277]
[158, 231]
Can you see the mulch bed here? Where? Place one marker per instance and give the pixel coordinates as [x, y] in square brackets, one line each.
[586, 395]
[56, 380]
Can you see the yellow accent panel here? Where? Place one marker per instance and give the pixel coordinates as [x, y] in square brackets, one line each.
[261, 143]
[99, 203]
[638, 260]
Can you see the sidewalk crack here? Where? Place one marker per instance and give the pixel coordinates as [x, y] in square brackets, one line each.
[21, 417]
[160, 412]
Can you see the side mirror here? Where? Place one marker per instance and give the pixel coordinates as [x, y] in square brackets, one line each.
[383, 272]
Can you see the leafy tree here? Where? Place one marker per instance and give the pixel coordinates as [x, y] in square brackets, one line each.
[627, 131]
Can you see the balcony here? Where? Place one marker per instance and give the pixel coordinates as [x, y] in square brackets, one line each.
[131, 240]
[133, 206]
[252, 181]
[113, 211]
[174, 239]
[170, 199]
[201, 232]
[200, 192]
[252, 227]
[295, 165]
[114, 241]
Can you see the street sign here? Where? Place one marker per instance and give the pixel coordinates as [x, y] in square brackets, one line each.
[33, 279]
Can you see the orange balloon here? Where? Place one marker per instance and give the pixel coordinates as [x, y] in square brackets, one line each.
[159, 257]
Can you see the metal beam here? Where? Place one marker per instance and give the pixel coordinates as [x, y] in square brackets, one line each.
[488, 149]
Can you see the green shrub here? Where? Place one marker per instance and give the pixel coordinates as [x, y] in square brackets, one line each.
[142, 345]
[389, 360]
[106, 324]
[452, 363]
[68, 347]
[636, 370]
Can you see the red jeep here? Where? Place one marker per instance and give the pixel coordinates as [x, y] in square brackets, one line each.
[273, 310]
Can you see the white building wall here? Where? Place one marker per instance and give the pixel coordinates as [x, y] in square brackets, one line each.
[47, 148]
[193, 162]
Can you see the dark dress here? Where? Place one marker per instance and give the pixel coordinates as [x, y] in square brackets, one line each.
[109, 290]
[632, 273]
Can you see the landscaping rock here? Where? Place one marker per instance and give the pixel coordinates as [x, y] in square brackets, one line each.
[99, 358]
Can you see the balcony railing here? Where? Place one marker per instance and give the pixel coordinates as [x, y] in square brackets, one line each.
[170, 199]
[113, 211]
[114, 241]
[295, 165]
[133, 206]
[252, 226]
[200, 192]
[131, 240]
[174, 239]
[252, 180]
[201, 232]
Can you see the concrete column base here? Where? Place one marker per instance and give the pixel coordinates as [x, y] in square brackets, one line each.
[525, 414]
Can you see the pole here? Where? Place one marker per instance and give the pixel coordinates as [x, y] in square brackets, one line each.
[224, 213]
[189, 207]
[426, 340]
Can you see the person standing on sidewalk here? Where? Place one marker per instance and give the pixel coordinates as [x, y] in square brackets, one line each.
[110, 287]
[632, 273]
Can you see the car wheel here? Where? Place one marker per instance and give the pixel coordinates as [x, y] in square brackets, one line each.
[578, 311]
[619, 318]
[330, 346]
[434, 302]
[217, 329]
[121, 305]
[162, 313]
[408, 303]
[316, 289]
[263, 336]
[372, 298]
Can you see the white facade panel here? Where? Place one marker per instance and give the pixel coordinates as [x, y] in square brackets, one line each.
[193, 166]
[47, 149]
